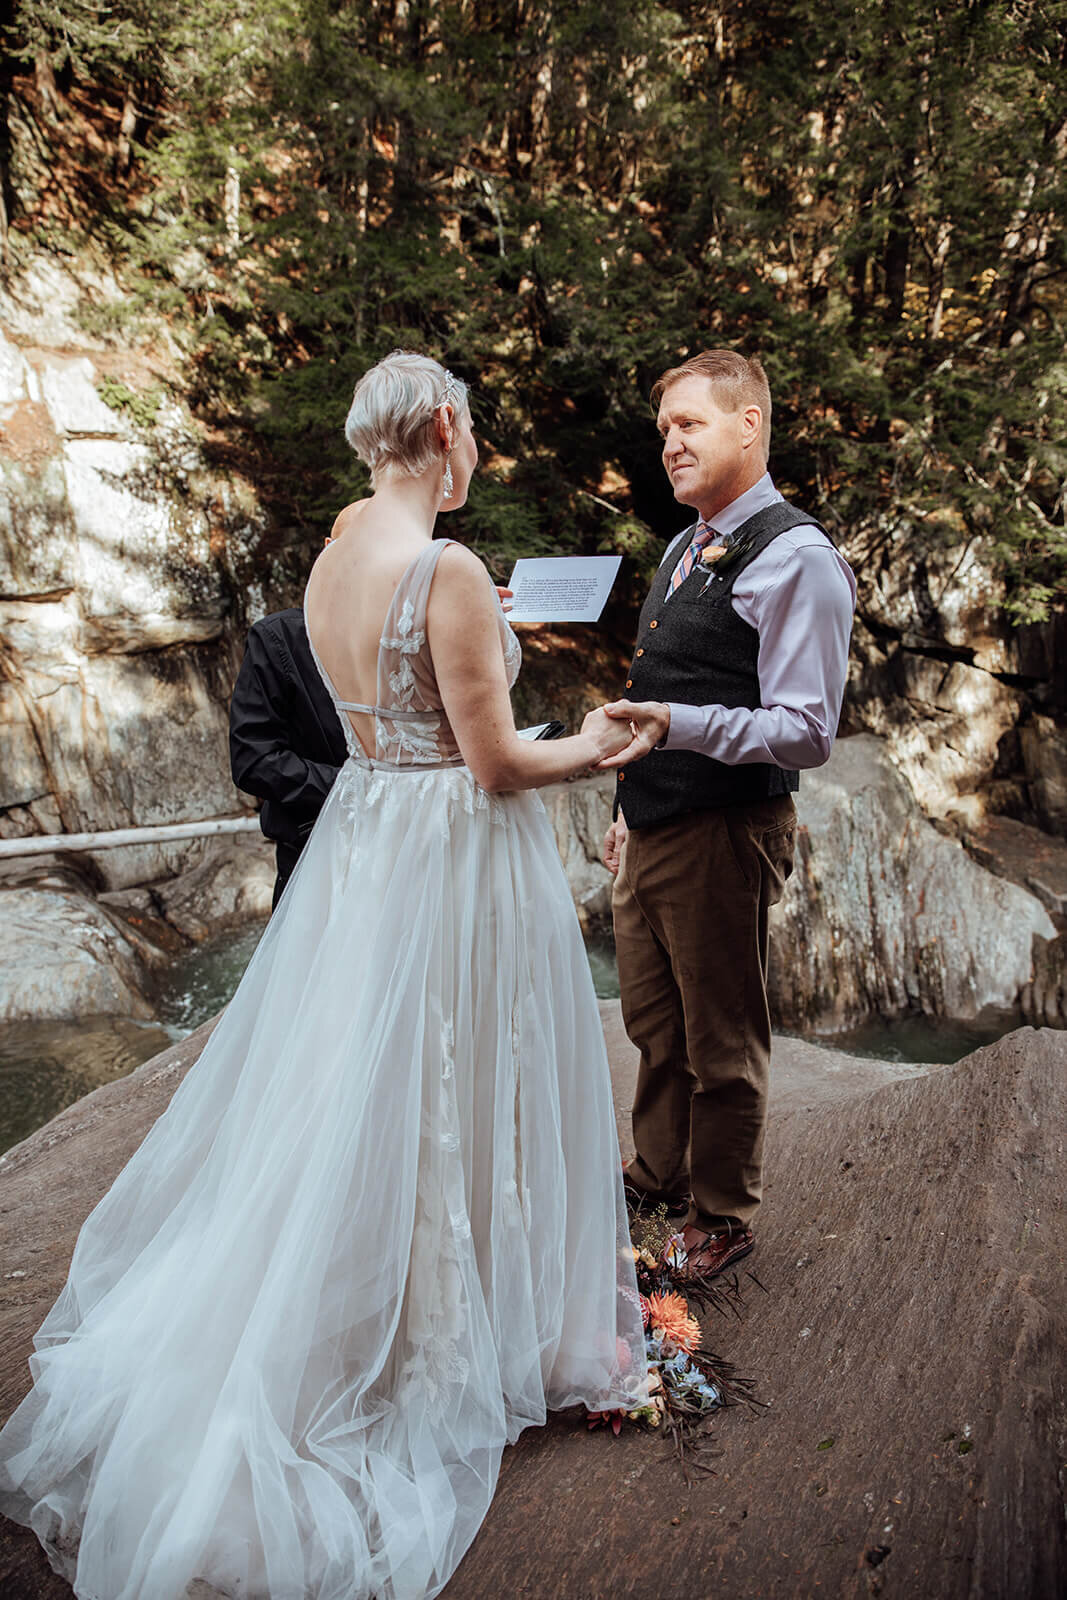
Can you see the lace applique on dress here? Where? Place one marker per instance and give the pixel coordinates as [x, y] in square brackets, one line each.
[435, 1369]
[407, 638]
[406, 677]
[437, 1313]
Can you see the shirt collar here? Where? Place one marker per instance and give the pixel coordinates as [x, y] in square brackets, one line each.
[758, 498]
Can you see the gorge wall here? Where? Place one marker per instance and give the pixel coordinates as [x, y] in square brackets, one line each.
[122, 557]
[131, 564]
[972, 710]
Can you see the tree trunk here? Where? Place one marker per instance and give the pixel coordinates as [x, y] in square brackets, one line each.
[935, 294]
[127, 127]
[896, 258]
[231, 207]
[46, 86]
[1028, 236]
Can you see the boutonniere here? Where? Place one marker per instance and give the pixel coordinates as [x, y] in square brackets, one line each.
[718, 558]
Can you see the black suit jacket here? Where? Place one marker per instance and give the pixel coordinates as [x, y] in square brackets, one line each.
[286, 741]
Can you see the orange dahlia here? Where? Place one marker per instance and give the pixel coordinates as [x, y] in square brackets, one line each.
[670, 1318]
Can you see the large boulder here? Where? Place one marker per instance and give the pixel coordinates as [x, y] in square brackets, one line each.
[226, 883]
[580, 813]
[63, 956]
[903, 1319]
[69, 952]
[885, 914]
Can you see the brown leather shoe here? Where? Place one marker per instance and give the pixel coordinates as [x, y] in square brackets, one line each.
[639, 1200]
[713, 1252]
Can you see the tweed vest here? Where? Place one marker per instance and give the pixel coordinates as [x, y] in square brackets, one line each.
[694, 649]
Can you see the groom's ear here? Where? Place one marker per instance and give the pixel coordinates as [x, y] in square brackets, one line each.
[751, 427]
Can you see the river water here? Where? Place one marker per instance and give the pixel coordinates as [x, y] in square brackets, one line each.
[46, 1066]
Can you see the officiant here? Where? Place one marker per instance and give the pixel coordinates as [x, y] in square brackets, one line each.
[735, 685]
[286, 741]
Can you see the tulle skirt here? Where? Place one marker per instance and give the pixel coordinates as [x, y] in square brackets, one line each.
[379, 1230]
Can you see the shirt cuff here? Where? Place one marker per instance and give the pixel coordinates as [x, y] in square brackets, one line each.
[688, 724]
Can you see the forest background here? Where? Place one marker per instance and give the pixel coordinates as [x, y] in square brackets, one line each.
[560, 201]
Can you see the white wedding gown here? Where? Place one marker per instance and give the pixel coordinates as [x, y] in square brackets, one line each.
[379, 1230]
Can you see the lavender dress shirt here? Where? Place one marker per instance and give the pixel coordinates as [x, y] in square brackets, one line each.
[799, 595]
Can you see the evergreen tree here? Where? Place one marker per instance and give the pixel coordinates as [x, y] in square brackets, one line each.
[560, 202]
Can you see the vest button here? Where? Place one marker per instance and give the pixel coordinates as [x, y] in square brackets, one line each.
[640, 652]
[629, 683]
[622, 774]
[653, 624]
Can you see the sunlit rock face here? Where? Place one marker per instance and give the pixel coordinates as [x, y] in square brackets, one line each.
[68, 951]
[885, 914]
[1044, 751]
[63, 956]
[121, 556]
[128, 569]
[955, 690]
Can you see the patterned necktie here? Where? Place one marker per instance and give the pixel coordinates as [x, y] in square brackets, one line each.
[703, 536]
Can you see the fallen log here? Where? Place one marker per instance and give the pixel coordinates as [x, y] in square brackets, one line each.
[47, 844]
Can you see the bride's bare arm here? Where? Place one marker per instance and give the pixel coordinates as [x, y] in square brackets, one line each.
[462, 623]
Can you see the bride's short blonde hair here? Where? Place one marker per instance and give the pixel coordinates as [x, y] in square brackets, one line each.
[392, 421]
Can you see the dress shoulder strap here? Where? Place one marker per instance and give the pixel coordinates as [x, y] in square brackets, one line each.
[406, 617]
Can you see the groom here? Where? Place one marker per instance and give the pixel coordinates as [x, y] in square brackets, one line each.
[736, 683]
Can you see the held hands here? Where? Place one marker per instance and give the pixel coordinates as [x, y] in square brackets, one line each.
[648, 723]
[609, 736]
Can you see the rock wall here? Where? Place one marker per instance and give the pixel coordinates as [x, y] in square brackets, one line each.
[130, 566]
[884, 913]
[973, 710]
[123, 559]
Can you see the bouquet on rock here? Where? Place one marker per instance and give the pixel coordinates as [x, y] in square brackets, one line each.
[686, 1384]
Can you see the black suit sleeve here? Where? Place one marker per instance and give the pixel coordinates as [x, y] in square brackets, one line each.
[262, 759]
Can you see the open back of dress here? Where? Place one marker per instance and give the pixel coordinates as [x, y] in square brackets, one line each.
[411, 727]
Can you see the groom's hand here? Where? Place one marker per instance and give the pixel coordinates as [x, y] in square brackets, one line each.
[650, 723]
[613, 844]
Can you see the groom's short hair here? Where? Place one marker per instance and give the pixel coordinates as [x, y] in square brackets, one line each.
[738, 382]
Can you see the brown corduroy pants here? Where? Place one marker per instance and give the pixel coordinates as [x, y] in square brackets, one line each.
[690, 910]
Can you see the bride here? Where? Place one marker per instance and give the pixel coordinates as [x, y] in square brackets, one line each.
[380, 1228]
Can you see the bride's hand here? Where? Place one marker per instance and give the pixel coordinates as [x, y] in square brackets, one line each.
[609, 736]
[646, 724]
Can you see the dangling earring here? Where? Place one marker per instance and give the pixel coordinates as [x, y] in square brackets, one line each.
[448, 485]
